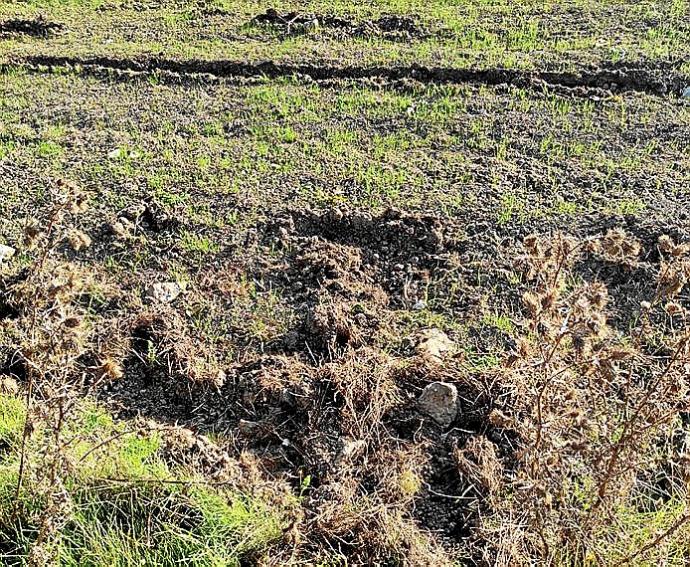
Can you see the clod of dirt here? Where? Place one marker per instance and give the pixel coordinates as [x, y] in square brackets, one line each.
[166, 292]
[434, 345]
[184, 447]
[33, 28]
[6, 252]
[122, 228]
[394, 23]
[439, 400]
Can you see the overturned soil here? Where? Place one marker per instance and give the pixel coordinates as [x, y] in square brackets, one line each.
[390, 27]
[594, 81]
[347, 274]
[33, 28]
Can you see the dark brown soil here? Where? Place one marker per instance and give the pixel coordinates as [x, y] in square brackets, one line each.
[391, 27]
[654, 80]
[34, 28]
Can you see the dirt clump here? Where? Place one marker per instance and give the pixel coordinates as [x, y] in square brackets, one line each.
[39, 28]
[346, 273]
[390, 26]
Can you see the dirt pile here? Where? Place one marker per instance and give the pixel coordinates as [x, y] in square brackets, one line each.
[391, 27]
[34, 28]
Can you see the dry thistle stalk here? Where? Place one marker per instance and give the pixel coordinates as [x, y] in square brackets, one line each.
[597, 405]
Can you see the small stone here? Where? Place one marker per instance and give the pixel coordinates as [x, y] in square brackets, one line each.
[434, 344]
[686, 92]
[8, 386]
[439, 400]
[353, 448]
[6, 252]
[420, 305]
[122, 227]
[164, 292]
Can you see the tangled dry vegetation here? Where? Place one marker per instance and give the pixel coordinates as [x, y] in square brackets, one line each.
[572, 451]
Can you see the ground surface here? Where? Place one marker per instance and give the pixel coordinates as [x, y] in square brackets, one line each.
[324, 185]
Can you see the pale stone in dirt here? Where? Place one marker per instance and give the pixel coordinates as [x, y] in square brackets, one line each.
[164, 292]
[6, 252]
[434, 344]
[8, 386]
[439, 400]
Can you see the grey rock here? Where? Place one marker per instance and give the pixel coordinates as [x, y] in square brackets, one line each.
[439, 401]
[166, 292]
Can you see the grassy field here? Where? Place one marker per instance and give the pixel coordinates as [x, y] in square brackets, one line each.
[323, 283]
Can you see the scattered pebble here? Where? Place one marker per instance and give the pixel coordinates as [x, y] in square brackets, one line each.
[166, 292]
[439, 400]
[419, 305]
[686, 92]
[6, 252]
[434, 344]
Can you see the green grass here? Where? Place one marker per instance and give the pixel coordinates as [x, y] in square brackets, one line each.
[12, 416]
[123, 508]
[476, 33]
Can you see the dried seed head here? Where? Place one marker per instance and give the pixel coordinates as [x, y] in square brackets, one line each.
[79, 204]
[673, 308]
[32, 231]
[111, 369]
[532, 303]
[665, 243]
[531, 243]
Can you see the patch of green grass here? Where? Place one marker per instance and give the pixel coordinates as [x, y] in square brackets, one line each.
[123, 510]
[12, 417]
[196, 243]
[501, 322]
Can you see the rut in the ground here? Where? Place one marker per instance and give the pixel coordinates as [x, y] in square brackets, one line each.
[649, 80]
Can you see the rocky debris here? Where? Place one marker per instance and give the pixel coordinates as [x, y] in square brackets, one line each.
[439, 400]
[165, 292]
[6, 252]
[686, 93]
[434, 345]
